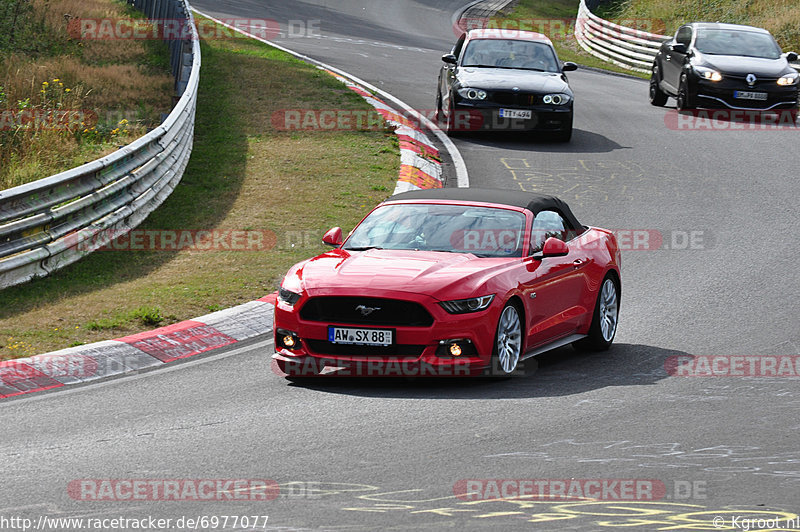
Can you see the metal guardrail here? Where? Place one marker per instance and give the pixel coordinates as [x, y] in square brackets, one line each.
[620, 45]
[50, 223]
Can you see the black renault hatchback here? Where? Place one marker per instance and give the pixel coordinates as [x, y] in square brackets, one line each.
[729, 66]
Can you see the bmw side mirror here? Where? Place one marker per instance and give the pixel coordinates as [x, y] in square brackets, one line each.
[569, 66]
[333, 237]
[553, 247]
[450, 59]
[791, 57]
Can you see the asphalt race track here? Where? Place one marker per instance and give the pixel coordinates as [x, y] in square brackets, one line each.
[390, 454]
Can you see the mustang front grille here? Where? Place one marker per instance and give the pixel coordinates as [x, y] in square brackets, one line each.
[366, 311]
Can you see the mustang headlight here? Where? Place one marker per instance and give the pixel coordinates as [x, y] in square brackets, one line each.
[708, 73]
[556, 99]
[789, 79]
[464, 306]
[472, 94]
[287, 296]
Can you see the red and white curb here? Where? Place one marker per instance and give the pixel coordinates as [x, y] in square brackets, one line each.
[86, 363]
[420, 164]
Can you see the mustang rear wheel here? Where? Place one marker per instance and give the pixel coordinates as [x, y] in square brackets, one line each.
[604, 319]
[507, 342]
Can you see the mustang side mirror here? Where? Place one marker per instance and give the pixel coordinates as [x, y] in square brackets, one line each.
[450, 59]
[333, 237]
[553, 247]
[791, 57]
[569, 66]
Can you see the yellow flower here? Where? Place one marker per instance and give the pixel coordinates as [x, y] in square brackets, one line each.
[60, 84]
[56, 80]
[85, 130]
[67, 90]
[45, 83]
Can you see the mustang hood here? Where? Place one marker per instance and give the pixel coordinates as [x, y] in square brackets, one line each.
[507, 79]
[422, 272]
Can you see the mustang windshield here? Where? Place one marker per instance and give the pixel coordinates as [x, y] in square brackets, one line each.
[511, 53]
[737, 42]
[483, 231]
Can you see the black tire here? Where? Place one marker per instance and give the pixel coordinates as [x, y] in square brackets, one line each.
[657, 96]
[450, 121]
[600, 337]
[564, 135]
[508, 343]
[685, 98]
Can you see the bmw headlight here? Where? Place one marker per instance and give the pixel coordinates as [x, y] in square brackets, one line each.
[789, 79]
[287, 296]
[464, 306]
[556, 99]
[708, 73]
[472, 94]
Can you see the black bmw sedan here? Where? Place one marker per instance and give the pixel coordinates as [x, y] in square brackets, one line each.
[505, 80]
[727, 66]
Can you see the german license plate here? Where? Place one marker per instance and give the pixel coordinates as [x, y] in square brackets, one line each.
[749, 95]
[359, 336]
[515, 113]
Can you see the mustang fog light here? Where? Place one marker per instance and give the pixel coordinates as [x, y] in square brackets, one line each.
[287, 339]
[455, 348]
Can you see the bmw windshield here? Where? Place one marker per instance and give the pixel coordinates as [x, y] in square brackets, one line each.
[511, 53]
[483, 231]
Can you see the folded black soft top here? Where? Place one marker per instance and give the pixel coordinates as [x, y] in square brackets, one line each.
[516, 198]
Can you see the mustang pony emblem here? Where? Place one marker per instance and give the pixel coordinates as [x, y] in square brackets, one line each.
[366, 311]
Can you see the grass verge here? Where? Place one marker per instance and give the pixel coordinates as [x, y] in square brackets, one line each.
[89, 96]
[244, 175]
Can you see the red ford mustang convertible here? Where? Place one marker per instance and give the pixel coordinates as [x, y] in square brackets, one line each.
[449, 282]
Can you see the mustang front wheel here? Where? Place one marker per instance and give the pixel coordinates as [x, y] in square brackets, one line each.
[507, 342]
[604, 319]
